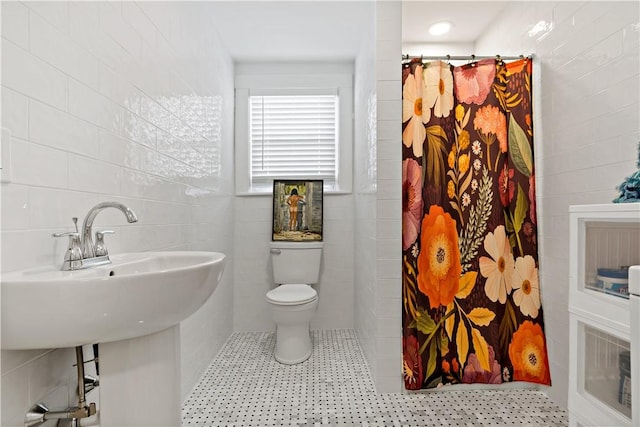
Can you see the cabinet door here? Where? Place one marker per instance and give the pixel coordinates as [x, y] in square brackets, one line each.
[612, 246]
[602, 244]
[600, 375]
[635, 359]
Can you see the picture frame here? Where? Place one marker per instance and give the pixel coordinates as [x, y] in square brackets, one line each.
[297, 210]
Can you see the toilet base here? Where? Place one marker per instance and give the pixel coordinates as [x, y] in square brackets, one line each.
[293, 344]
[294, 361]
[293, 338]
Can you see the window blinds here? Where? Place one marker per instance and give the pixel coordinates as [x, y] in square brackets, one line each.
[293, 137]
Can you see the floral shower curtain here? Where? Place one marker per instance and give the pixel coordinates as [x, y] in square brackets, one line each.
[471, 295]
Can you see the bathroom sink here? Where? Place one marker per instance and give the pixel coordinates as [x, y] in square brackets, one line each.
[137, 294]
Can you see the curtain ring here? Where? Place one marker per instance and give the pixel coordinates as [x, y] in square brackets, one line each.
[448, 59]
[499, 60]
[473, 60]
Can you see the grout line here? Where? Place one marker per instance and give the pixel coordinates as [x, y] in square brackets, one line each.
[245, 386]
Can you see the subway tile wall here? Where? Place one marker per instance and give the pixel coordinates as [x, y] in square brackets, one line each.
[253, 271]
[125, 101]
[588, 78]
[388, 206]
[253, 214]
[365, 188]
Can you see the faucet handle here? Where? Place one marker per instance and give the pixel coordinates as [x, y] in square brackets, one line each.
[68, 233]
[100, 248]
[73, 255]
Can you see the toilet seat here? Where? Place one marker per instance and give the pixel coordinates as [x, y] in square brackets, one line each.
[292, 295]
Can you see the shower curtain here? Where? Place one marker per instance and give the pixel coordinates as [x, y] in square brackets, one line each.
[471, 294]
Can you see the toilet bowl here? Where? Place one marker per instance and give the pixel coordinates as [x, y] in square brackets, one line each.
[296, 265]
[292, 308]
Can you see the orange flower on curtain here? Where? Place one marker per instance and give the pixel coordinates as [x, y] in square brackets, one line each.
[470, 284]
[491, 124]
[439, 259]
[528, 353]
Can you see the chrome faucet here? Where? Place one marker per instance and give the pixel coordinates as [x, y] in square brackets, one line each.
[88, 248]
[82, 252]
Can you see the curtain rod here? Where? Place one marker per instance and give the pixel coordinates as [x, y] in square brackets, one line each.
[464, 58]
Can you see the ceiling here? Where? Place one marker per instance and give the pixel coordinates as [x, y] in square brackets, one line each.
[322, 29]
[293, 30]
[469, 18]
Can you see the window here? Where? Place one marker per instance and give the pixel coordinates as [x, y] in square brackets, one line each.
[293, 136]
[293, 127]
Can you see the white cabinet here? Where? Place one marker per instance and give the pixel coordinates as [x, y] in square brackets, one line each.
[602, 237]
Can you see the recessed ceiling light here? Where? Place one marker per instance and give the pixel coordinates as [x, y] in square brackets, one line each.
[440, 28]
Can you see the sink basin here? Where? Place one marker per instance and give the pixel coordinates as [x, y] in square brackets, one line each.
[137, 294]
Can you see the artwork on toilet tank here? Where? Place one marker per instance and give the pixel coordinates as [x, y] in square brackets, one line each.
[297, 210]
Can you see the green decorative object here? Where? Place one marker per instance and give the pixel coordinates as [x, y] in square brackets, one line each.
[630, 188]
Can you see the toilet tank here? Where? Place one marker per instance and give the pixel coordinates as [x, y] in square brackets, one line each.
[296, 262]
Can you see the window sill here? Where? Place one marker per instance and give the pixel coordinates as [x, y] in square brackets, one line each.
[270, 193]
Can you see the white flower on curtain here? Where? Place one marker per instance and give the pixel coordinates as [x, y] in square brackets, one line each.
[439, 84]
[413, 111]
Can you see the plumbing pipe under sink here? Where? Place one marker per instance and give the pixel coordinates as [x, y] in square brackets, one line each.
[40, 413]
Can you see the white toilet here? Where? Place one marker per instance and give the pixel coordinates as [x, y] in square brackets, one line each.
[296, 265]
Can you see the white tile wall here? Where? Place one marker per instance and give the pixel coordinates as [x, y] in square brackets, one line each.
[15, 24]
[253, 274]
[388, 334]
[30, 75]
[590, 128]
[58, 129]
[129, 101]
[15, 109]
[51, 45]
[365, 180]
[56, 13]
[378, 190]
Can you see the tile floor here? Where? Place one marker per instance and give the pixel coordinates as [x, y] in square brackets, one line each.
[244, 387]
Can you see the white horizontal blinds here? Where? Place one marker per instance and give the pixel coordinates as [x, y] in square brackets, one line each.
[293, 137]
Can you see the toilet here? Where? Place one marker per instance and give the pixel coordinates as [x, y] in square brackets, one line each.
[296, 266]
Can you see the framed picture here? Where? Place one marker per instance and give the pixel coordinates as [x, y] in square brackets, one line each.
[297, 210]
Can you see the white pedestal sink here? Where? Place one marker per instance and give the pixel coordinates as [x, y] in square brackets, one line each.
[132, 307]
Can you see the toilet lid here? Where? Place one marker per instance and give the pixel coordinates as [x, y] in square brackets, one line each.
[291, 294]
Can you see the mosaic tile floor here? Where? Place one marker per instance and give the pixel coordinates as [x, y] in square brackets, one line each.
[244, 387]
